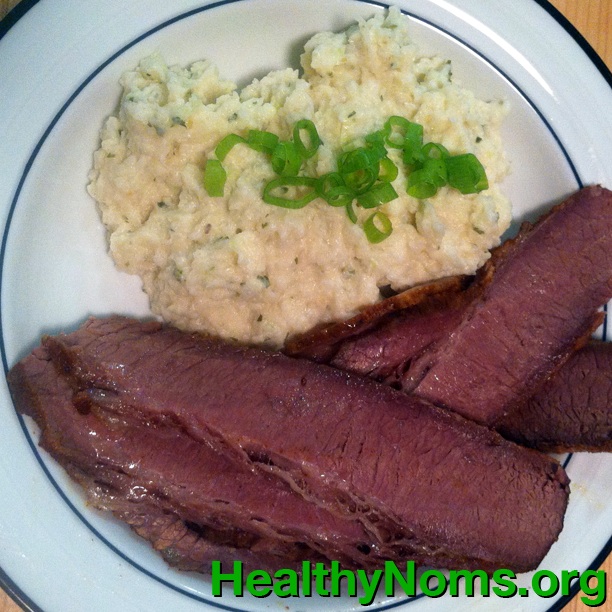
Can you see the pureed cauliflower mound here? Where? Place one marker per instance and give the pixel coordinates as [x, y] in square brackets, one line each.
[242, 269]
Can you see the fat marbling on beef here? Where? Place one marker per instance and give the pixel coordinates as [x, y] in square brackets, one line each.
[420, 482]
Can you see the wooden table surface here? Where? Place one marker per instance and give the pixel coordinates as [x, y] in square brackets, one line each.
[593, 19]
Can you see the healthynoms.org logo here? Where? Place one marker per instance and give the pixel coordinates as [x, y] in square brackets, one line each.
[333, 581]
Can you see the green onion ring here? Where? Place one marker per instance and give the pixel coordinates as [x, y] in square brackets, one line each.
[466, 173]
[396, 129]
[421, 184]
[227, 144]
[263, 141]
[381, 193]
[387, 170]
[360, 181]
[340, 195]
[313, 140]
[214, 178]
[283, 183]
[435, 150]
[350, 211]
[285, 160]
[377, 227]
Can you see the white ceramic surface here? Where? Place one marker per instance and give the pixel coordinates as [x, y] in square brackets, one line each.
[59, 70]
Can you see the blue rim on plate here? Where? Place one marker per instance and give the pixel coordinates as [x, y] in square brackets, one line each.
[6, 583]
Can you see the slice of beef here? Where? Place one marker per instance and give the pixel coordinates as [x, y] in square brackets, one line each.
[444, 491]
[386, 351]
[192, 546]
[541, 303]
[322, 343]
[159, 464]
[573, 410]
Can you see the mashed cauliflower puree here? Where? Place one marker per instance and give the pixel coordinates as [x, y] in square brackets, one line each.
[239, 268]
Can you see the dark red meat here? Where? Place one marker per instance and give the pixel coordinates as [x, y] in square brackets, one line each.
[543, 300]
[573, 409]
[421, 482]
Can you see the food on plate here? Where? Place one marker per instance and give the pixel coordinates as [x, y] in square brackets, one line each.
[538, 298]
[155, 476]
[237, 267]
[549, 313]
[572, 411]
[325, 342]
[544, 298]
[411, 480]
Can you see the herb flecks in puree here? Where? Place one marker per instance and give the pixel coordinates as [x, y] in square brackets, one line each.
[202, 255]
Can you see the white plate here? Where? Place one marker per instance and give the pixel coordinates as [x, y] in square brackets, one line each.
[59, 68]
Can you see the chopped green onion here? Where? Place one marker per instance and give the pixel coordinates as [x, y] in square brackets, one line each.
[377, 227]
[214, 178]
[377, 138]
[227, 144]
[377, 195]
[350, 211]
[292, 192]
[360, 158]
[396, 130]
[420, 186]
[285, 159]
[466, 173]
[412, 155]
[412, 147]
[436, 170]
[425, 181]
[327, 181]
[434, 150]
[360, 181]
[308, 149]
[339, 196]
[387, 170]
[332, 189]
[263, 141]
[365, 174]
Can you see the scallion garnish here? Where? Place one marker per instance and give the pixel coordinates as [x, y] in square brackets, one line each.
[214, 178]
[387, 170]
[397, 130]
[365, 174]
[377, 195]
[359, 181]
[227, 144]
[360, 159]
[377, 227]
[424, 182]
[263, 141]
[308, 147]
[290, 191]
[331, 188]
[466, 173]
[350, 211]
[285, 160]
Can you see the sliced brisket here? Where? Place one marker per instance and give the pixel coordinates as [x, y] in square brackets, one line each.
[323, 342]
[573, 409]
[386, 351]
[422, 482]
[547, 287]
[127, 464]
